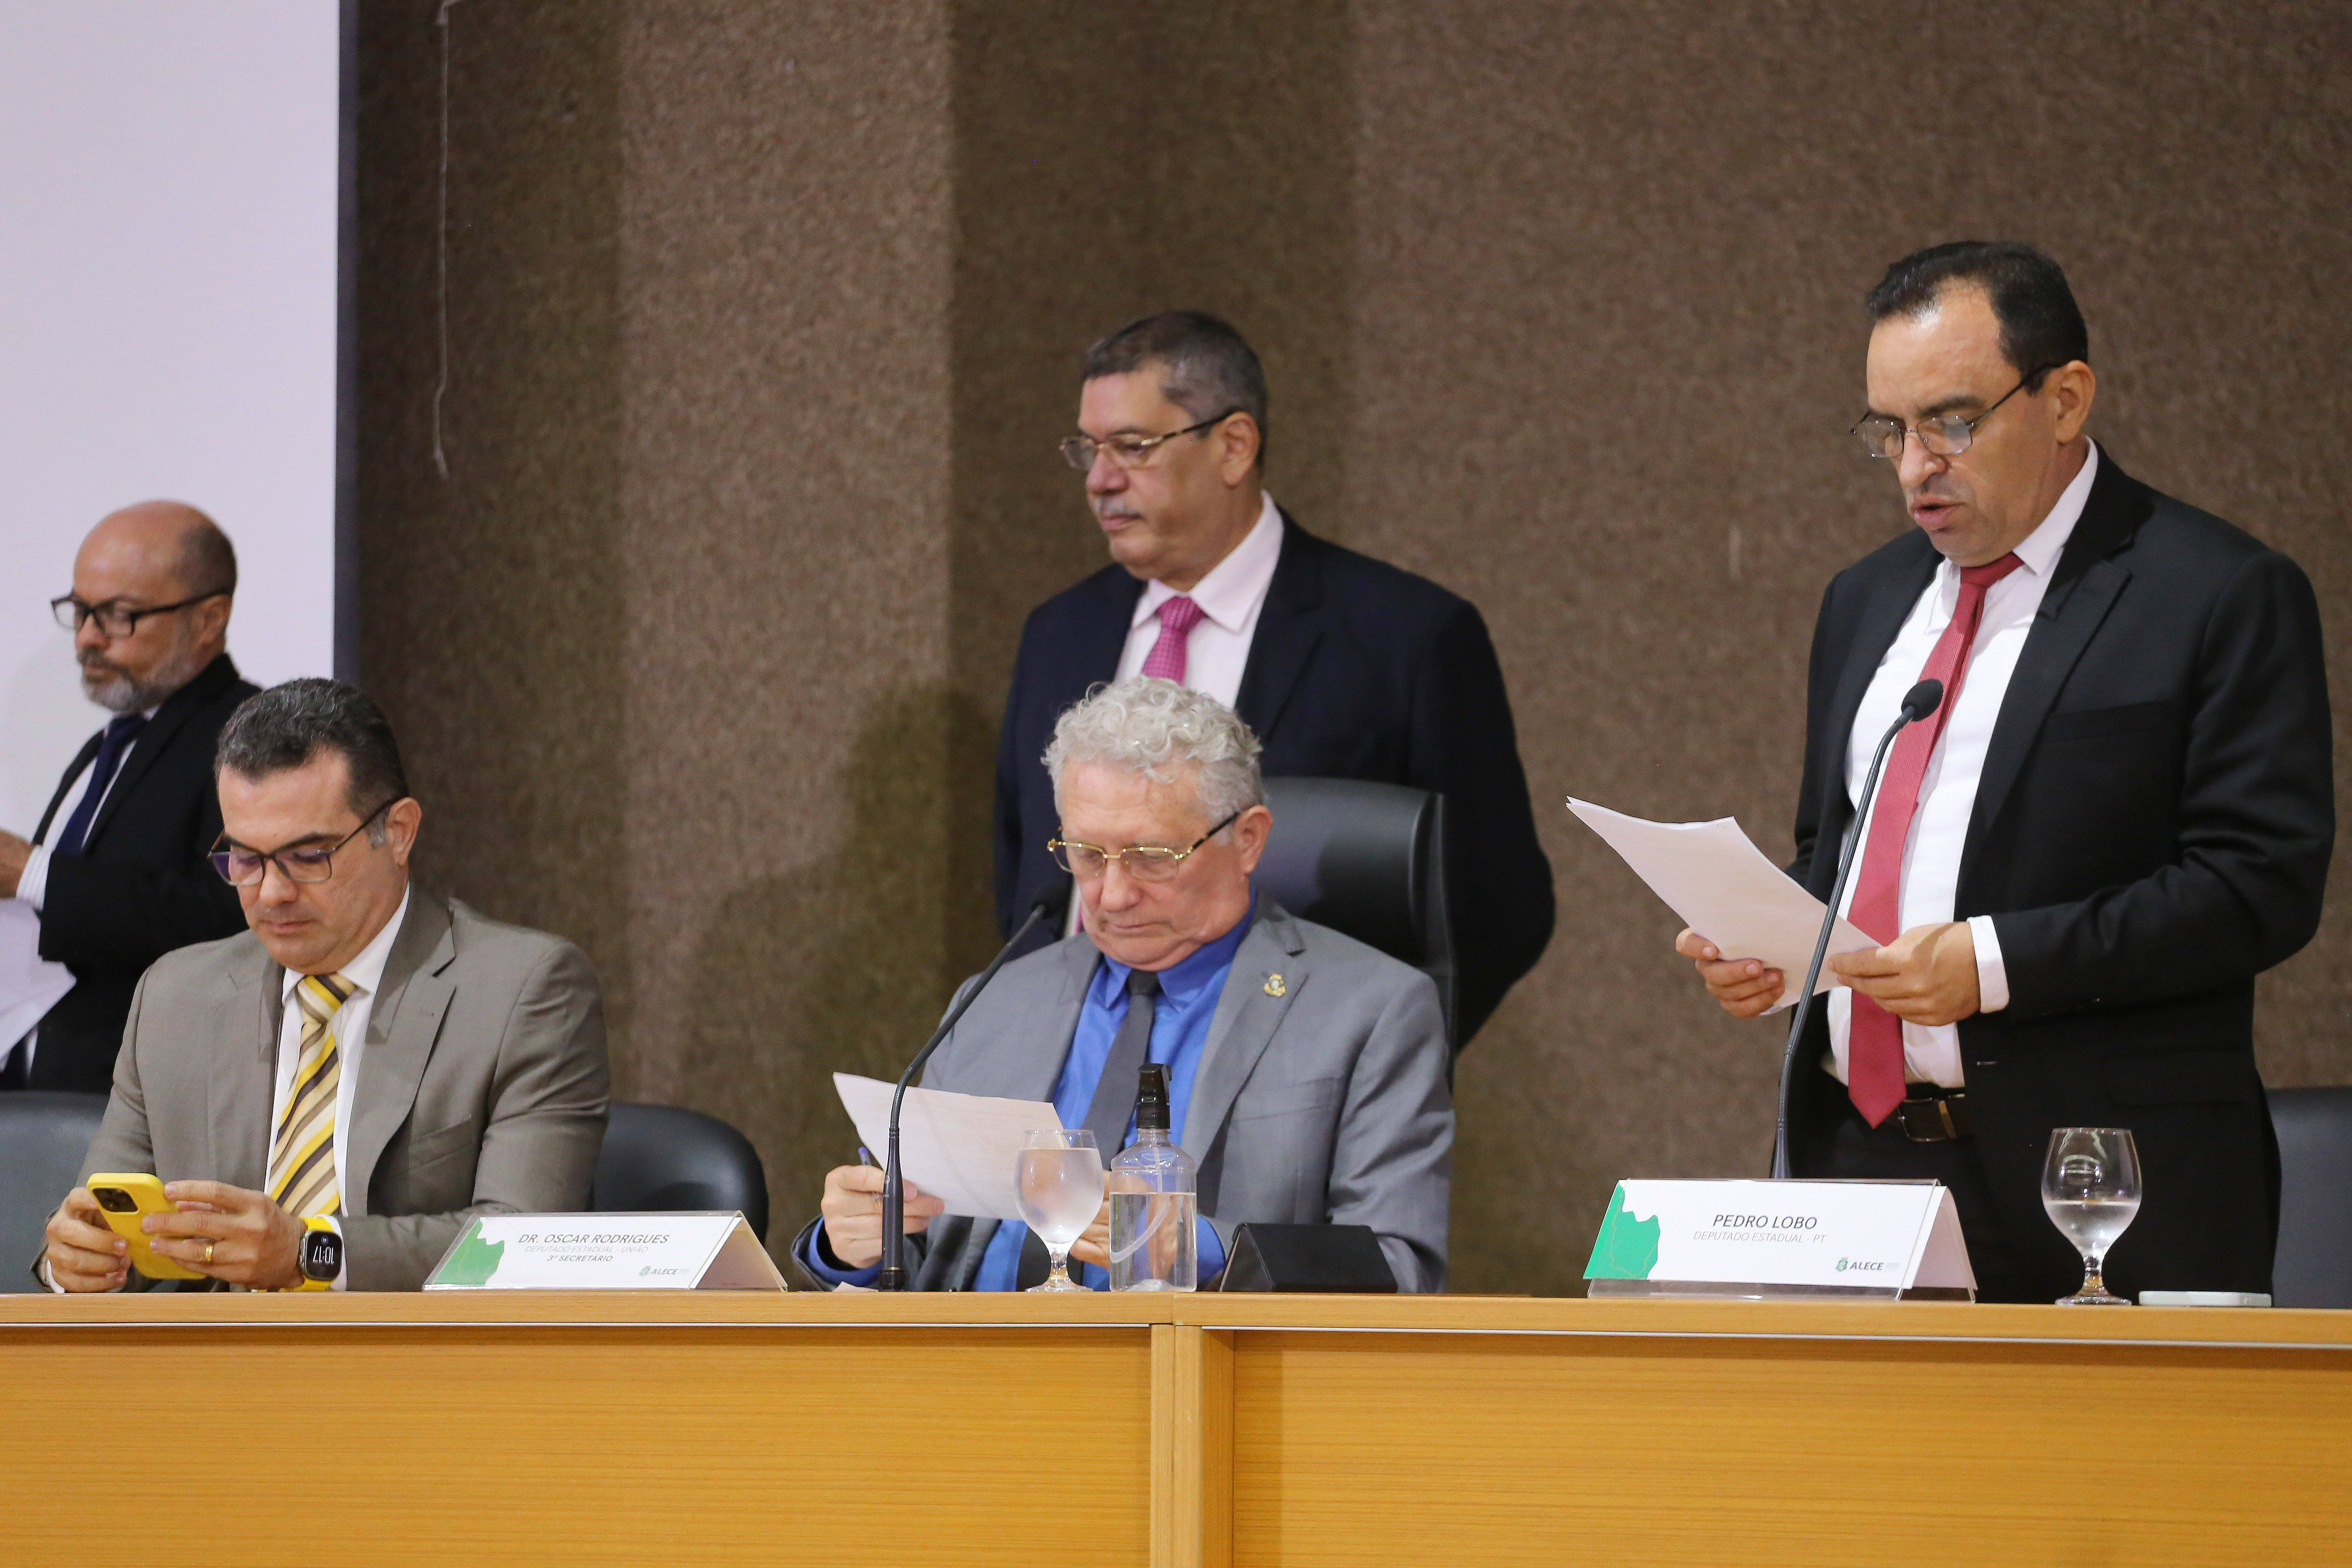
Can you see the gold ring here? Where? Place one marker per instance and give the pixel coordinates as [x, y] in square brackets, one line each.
[208, 1253]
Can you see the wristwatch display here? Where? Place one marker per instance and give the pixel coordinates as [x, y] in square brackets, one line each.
[321, 1254]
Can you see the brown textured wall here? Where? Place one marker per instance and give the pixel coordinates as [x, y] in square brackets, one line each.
[765, 319]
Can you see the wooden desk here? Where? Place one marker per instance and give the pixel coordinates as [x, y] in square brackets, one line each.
[689, 1428]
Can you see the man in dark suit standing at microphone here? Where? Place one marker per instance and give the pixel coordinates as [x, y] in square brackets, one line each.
[116, 867]
[2121, 813]
[1344, 667]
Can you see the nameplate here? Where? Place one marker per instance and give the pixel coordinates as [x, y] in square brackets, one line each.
[705, 1251]
[1833, 1238]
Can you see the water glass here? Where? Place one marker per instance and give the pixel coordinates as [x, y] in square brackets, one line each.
[1059, 1184]
[2090, 1185]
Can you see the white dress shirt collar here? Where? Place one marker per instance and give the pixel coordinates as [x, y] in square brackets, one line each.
[1229, 596]
[2039, 550]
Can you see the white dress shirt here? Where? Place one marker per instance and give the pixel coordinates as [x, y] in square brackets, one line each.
[350, 1025]
[1230, 596]
[1948, 794]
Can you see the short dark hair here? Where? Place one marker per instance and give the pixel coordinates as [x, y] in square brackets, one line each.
[1209, 369]
[2041, 326]
[282, 729]
[207, 560]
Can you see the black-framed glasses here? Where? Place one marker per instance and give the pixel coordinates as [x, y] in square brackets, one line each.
[243, 867]
[1144, 862]
[1129, 451]
[1946, 435]
[115, 618]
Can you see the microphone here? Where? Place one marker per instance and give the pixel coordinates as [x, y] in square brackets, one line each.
[1917, 703]
[1052, 903]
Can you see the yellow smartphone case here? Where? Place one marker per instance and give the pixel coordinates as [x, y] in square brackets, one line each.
[126, 1199]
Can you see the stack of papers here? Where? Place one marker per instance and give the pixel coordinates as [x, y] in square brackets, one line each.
[959, 1148]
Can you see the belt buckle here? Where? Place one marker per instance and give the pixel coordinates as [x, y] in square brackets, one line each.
[1928, 1120]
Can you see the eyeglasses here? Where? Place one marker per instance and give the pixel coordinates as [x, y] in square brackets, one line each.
[241, 867]
[1129, 451]
[113, 617]
[1144, 862]
[1947, 436]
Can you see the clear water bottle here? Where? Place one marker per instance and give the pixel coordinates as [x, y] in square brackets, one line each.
[1154, 1199]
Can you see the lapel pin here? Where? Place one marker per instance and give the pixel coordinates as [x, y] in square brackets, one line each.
[1274, 986]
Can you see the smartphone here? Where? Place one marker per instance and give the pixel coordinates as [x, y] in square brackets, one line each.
[125, 1200]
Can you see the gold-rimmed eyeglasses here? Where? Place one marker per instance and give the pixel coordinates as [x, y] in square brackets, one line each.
[1129, 451]
[243, 867]
[1144, 862]
[1945, 435]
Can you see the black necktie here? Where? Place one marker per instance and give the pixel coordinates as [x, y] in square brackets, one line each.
[120, 733]
[1114, 1100]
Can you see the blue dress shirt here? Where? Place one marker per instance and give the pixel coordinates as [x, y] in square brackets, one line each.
[1180, 1035]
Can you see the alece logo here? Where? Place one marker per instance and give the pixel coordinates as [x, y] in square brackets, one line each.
[1841, 1265]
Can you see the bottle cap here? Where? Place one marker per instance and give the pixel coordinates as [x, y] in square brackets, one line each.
[1151, 1098]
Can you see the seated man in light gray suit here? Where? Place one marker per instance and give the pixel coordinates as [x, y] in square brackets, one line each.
[1306, 1071]
[367, 1060]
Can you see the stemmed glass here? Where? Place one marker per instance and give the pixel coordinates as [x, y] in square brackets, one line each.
[1059, 1184]
[2090, 1185]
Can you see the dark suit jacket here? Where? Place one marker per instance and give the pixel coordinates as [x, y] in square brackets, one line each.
[1356, 670]
[140, 886]
[2152, 830]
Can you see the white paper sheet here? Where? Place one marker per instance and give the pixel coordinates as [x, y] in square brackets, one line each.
[1712, 875]
[29, 985]
[959, 1148]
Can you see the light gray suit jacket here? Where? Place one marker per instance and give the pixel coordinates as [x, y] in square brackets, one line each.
[1327, 1103]
[482, 1088]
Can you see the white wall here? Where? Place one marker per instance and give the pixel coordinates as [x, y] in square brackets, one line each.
[168, 183]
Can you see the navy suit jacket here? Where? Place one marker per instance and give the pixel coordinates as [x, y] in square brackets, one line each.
[1356, 670]
[141, 887]
[2152, 830]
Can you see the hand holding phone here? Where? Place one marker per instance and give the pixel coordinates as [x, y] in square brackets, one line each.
[126, 1199]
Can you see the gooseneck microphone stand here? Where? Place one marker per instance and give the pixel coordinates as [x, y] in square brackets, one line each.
[1053, 899]
[1917, 703]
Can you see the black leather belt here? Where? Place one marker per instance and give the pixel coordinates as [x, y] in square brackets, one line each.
[1933, 1115]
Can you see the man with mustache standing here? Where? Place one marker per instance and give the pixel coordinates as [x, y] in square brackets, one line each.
[1342, 665]
[2121, 813]
[116, 867]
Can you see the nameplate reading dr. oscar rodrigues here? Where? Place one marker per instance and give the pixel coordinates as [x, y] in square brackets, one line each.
[594, 1245]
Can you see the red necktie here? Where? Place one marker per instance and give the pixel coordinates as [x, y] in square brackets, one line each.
[1873, 1053]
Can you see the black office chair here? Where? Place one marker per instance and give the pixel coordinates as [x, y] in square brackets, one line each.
[2313, 1267]
[43, 1137]
[661, 1159]
[1368, 862]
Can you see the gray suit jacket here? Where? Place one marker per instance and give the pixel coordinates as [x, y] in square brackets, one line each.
[1324, 1104]
[482, 1090]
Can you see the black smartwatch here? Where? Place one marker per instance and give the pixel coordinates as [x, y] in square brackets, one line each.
[321, 1254]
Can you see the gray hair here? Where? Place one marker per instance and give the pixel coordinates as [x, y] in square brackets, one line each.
[1162, 730]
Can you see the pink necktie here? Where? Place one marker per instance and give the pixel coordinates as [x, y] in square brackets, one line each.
[1873, 1054]
[1178, 616]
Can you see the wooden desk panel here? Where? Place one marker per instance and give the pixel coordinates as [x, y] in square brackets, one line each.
[1363, 1449]
[516, 1444]
[520, 1428]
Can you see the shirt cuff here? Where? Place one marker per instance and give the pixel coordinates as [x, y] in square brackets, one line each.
[33, 882]
[1992, 974]
[817, 1258]
[1210, 1255]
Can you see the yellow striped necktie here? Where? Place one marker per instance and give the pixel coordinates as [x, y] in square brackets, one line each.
[302, 1159]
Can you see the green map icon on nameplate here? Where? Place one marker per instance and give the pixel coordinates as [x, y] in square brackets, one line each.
[476, 1260]
[1626, 1248]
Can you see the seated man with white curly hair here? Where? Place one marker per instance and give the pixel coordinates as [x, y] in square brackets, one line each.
[1306, 1071]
